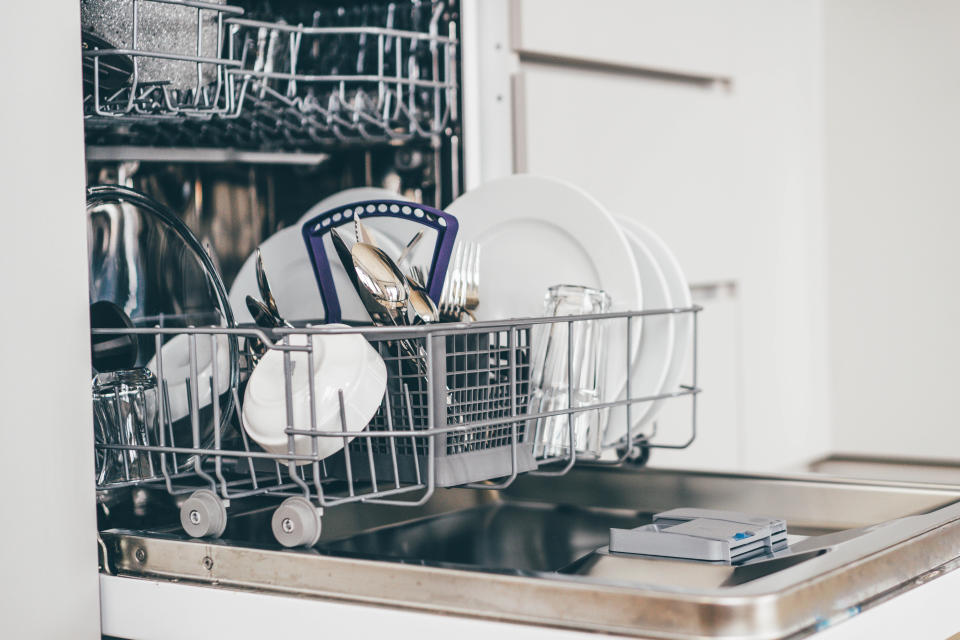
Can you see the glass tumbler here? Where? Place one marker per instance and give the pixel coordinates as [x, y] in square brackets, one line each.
[569, 366]
[125, 412]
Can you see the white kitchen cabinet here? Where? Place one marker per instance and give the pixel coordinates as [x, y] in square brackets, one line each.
[689, 37]
[659, 152]
[727, 170]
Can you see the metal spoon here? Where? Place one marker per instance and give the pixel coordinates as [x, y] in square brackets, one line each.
[384, 283]
[262, 315]
[423, 307]
[383, 290]
[265, 292]
[370, 303]
[343, 252]
[264, 319]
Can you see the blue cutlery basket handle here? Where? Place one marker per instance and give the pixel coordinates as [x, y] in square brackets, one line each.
[319, 226]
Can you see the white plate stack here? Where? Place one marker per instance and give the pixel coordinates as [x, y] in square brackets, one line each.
[535, 232]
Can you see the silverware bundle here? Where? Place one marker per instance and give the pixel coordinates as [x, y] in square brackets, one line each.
[394, 296]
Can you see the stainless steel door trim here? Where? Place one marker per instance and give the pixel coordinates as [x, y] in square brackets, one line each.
[883, 560]
[811, 500]
[564, 603]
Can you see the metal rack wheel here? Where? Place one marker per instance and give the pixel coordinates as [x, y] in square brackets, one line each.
[203, 514]
[638, 455]
[296, 523]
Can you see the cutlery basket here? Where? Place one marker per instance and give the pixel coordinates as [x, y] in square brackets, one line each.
[480, 379]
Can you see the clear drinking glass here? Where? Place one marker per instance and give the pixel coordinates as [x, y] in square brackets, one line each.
[125, 412]
[569, 365]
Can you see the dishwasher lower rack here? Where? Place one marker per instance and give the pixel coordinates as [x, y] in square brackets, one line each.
[457, 411]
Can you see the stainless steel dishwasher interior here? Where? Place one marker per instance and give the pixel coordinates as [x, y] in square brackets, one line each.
[527, 553]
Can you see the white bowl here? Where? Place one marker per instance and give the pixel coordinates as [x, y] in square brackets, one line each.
[176, 371]
[344, 362]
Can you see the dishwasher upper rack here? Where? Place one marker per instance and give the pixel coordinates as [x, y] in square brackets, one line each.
[283, 87]
[461, 420]
[185, 77]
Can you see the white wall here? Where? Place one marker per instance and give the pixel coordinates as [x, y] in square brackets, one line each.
[48, 549]
[704, 121]
[892, 159]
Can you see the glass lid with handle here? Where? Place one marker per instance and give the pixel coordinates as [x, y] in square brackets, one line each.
[147, 261]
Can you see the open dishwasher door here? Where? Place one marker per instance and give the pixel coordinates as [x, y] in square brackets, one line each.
[524, 555]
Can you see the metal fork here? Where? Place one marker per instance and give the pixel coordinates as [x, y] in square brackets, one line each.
[461, 288]
[449, 295]
[471, 293]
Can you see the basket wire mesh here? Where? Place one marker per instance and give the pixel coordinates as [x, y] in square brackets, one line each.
[461, 417]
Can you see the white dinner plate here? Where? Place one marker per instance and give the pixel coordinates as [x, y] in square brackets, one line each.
[176, 371]
[535, 232]
[290, 272]
[679, 290]
[652, 362]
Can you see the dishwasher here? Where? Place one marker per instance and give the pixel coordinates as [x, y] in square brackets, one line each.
[239, 117]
